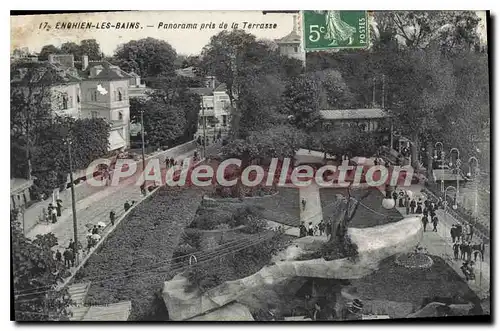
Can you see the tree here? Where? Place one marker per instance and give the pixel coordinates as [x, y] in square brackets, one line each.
[420, 29]
[163, 123]
[72, 48]
[334, 92]
[46, 50]
[352, 141]
[35, 275]
[91, 48]
[301, 102]
[148, 57]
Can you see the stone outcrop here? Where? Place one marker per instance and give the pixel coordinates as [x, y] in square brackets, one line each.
[374, 245]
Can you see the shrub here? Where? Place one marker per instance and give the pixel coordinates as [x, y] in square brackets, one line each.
[204, 276]
[334, 249]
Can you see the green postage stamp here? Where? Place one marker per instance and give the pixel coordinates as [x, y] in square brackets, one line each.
[330, 29]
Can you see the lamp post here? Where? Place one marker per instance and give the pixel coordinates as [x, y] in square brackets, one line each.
[454, 206]
[457, 165]
[470, 174]
[68, 143]
[442, 161]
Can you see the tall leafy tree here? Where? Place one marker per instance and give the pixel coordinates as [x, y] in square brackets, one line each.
[91, 48]
[148, 57]
[72, 48]
[46, 50]
[301, 103]
[35, 275]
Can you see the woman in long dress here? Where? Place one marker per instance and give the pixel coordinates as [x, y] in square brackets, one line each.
[336, 29]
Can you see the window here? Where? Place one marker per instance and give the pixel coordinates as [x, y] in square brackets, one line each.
[78, 98]
[120, 116]
[224, 120]
[93, 94]
[94, 114]
[120, 96]
[295, 49]
[64, 101]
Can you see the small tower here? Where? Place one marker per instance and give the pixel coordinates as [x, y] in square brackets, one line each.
[291, 44]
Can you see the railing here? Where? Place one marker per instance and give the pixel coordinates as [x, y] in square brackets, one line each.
[461, 214]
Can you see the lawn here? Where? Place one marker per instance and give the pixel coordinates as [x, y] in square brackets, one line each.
[390, 283]
[397, 283]
[134, 261]
[369, 214]
[282, 207]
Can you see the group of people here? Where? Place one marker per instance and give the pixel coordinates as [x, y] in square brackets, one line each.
[464, 250]
[310, 230]
[170, 162]
[52, 213]
[69, 255]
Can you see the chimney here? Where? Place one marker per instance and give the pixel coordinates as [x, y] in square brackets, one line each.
[85, 62]
[295, 23]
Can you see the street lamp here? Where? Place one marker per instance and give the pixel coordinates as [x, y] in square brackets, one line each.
[68, 142]
[470, 174]
[454, 206]
[442, 162]
[457, 164]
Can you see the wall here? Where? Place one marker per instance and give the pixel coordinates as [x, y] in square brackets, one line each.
[72, 91]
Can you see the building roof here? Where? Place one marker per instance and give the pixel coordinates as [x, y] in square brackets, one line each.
[41, 73]
[186, 72]
[109, 72]
[201, 90]
[353, 114]
[221, 88]
[291, 38]
[19, 184]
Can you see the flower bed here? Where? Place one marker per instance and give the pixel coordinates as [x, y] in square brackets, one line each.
[135, 259]
[414, 260]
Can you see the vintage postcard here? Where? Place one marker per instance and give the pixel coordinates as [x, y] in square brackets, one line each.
[292, 165]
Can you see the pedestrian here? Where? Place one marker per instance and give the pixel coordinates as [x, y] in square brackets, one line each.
[302, 230]
[471, 232]
[481, 249]
[58, 256]
[95, 230]
[462, 250]
[413, 205]
[395, 197]
[407, 204]
[303, 204]
[112, 217]
[476, 249]
[126, 206]
[67, 261]
[456, 247]
[434, 223]
[143, 189]
[321, 227]
[71, 244]
[419, 207]
[425, 221]
[71, 257]
[45, 215]
[453, 232]
[59, 207]
[54, 215]
[459, 232]
[310, 229]
[468, 251]
[401, 199]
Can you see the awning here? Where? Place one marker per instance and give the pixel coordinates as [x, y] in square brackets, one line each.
[116, 141]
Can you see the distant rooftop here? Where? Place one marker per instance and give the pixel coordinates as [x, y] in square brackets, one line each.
[109, 71]
[186, 72]
[201, 90]
[291, 38]
[353, 114]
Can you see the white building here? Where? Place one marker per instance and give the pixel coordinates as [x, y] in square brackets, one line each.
[214, 108]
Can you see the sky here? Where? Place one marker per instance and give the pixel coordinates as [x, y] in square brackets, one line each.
[26, 32]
